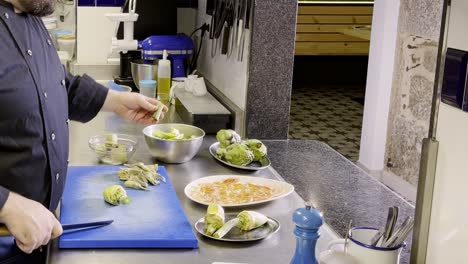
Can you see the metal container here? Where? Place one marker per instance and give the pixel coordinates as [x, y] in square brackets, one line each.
[174, 151]
[144, 71]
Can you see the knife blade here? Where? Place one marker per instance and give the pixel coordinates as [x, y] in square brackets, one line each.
[67, 228]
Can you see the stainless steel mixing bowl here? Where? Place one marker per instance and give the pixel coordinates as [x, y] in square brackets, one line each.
[174, 151]
[143, 71]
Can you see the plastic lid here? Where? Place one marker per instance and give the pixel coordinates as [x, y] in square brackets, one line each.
[147, 83]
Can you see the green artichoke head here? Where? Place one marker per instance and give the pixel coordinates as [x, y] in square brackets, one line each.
[227, 137]
[221, 152]
[238, 154]
[257, 147]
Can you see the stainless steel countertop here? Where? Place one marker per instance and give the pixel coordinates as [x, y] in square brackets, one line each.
[279, 248]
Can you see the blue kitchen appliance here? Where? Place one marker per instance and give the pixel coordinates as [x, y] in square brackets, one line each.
[179, 47]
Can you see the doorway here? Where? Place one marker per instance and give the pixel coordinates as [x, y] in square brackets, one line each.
[330, 71]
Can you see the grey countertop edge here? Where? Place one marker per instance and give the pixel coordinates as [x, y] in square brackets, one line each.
[364, 173]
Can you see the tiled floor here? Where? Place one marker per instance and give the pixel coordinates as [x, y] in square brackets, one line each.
[332, 114]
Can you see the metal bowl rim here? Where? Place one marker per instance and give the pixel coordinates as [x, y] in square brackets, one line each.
[173, 140]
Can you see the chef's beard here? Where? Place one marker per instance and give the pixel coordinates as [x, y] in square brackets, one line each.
[38, 8]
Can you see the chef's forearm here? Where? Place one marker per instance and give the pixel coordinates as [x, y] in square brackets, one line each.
[85, 97]
[113, 100]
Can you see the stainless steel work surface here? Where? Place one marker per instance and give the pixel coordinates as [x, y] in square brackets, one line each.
[279, 248]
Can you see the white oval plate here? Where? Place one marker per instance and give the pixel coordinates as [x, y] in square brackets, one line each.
[236, 235]
[254, 166]
[281, 188]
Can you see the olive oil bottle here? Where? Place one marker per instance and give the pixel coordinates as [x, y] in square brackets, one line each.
[164, 75]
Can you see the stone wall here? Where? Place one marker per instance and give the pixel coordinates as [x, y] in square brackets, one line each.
[413, 84]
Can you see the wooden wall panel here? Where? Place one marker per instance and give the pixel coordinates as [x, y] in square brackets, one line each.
[322, 29]
[332, 48]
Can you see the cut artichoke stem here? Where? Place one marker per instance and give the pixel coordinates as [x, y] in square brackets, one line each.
[249, 220]
[112, 140]
[125, 200]
[226, 228]
[210, 229]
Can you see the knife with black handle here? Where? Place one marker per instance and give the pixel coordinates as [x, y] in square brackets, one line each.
[68, 228]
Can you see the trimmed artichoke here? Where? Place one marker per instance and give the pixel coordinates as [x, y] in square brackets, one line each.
[238, 154]
[214, 218]
[221, 152]
[257, 147]
[249, 220]
[227, 137]
[116, 194]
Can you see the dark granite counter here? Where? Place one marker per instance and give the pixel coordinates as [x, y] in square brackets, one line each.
[336, 186]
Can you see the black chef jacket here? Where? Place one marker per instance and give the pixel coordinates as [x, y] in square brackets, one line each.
[37, 99]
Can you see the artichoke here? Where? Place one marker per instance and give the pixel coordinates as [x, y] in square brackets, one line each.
[227, 137]
[257, 147]
[249, 220]
[214, 218]
[221, 152]
[238, 154]
[116, 194]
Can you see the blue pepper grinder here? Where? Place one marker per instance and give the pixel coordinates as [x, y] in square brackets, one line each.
[308, 220]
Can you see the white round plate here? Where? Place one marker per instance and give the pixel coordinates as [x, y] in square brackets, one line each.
[281, 188]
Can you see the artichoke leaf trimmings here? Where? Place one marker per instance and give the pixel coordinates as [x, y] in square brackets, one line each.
[139, 175]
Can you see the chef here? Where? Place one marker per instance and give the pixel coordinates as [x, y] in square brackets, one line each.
[37, 100]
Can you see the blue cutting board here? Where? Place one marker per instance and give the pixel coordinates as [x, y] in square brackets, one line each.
[154, 219]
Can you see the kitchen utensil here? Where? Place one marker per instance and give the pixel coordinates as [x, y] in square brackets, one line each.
[174, 151]
[68, 228]
[153, 219]
[364, 253]
[254, 166]
[396, 212]
[377, 237]
[236, 235]
[347, 233]
[389, 224]
[142, 70]
[108, 155]
[281, 189]
[401, 233]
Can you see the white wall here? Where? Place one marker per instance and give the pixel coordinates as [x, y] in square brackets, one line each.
[448, 234]
[94, 34]
[379, 84]
[228, 75]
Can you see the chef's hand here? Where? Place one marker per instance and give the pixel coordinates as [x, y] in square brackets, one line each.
[29, 222]
[133, 106]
